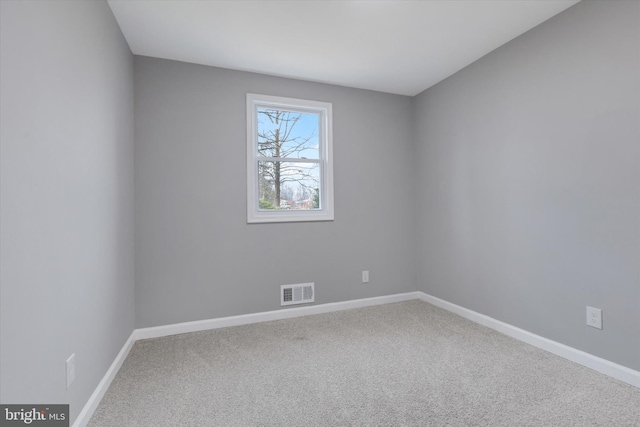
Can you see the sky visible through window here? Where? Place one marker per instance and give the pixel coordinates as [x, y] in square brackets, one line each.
[290, 136]
[301, 139]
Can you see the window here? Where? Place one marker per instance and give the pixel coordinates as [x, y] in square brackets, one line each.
[289, 160]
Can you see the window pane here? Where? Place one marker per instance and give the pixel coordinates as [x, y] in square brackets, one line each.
[289, 134]
[289, 185]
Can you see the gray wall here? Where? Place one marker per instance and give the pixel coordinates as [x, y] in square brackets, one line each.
[529, 178]
[197, 258]
[66, 205]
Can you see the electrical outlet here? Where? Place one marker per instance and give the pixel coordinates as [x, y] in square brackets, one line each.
[365, 276]
[594, 317]
[71, 370]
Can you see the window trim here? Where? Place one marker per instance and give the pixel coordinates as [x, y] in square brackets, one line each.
[325, 212]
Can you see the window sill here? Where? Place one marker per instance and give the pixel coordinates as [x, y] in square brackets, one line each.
[288, 216]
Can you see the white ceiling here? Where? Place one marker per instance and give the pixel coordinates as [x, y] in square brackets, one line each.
[397, 46]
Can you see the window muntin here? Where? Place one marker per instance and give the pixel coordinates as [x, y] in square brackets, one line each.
[289, 162]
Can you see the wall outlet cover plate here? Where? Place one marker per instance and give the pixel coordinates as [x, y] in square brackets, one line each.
[594, 317]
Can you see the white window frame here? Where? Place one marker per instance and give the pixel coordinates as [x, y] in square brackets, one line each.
[325, 212]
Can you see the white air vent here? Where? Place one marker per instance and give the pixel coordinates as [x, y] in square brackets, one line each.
[297, 294]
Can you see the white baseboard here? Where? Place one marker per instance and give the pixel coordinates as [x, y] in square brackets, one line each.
[93, 402]
[287, 313]
[603, 366]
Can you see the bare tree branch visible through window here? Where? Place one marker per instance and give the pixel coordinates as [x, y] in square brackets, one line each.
[291, 160]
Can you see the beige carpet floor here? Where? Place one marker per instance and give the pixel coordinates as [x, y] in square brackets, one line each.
[401, 364]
